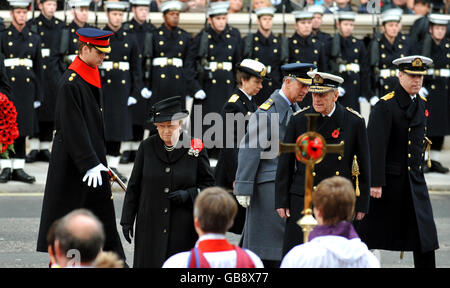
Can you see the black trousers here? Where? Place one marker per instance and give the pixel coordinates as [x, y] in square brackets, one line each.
[45, 133]
[424, 259]
[19, 148]
[113, 148]
[138, 133]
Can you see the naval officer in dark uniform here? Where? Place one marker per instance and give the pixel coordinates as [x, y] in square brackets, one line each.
[265, 47]
[400, 215]
[48, 28]
[23, 61]
[77, 175]
[250, 75]
[121, 81]
[336, 124]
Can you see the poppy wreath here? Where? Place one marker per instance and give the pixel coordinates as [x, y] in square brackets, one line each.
[8, 126]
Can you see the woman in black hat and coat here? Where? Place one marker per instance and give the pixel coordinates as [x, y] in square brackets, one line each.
[169, 171]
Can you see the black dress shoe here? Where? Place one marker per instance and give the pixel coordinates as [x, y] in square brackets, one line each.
[22, 176]
[123, 178]
[5, 176]
[133, 156]
[44, 155]
[32, 156]
[437, 167]
[125, 158]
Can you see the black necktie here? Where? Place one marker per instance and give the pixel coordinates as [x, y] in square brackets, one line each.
[293, 107]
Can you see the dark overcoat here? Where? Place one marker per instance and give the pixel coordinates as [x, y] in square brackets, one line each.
[343, 125]
[78, 145]
[402, 219]
[163, 227]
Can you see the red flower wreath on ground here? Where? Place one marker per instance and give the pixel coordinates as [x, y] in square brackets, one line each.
[8, 126]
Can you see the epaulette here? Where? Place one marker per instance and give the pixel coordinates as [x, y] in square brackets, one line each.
[266, 105]
[233, 98]
[423, 98]
[388, 96]
[354, 112]
[72, 76]
[301, 110]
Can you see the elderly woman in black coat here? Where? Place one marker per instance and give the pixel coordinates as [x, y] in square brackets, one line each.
[169, 171]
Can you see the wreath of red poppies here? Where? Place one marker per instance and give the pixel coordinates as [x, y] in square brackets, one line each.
[8, 126]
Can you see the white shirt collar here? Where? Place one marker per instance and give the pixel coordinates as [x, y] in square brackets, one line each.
[332, 111]
[249, 97]
[284, 97]
[210, 236]
[412, 97]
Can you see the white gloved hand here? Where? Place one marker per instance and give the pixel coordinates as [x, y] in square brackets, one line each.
[423, 92]
[131, 101]
[200, 94]
[341, 91]
[362, 99]
[374, 100]
[36, 104]
[146, 93]
[94, 176]
[244, 200]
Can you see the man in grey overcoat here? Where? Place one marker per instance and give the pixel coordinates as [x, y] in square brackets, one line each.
[257, 164]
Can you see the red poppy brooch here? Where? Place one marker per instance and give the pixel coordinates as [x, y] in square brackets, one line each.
[196, 146]
[335, 133]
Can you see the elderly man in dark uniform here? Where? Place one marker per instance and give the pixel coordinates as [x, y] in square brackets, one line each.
[142, 30]
[265, 47]
[347, 57]
[212, 58]
[400, 214]
[235, 114]
[77, 175]
[257, 164]
[121, 80]
[436, 88]
[68, 42]
[48, 28]
[305, 48]
[336, 124]
[23, 61]
[390, 45]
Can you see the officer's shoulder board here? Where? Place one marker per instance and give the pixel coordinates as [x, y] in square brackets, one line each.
[266, 105]
[233, 98]
[423, 98]
[301, 110]
[388, 96]
[354, 112]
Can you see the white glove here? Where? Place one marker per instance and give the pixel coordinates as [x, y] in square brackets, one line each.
[341, 91]
[146, 93]
[94, 176]
[374, 100]
[243, 200]
[131, 101]
[200, 94]
[423, 92]
[362, 100]
[36, 104]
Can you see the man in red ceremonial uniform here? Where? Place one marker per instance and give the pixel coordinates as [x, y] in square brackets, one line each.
[214, 212]
[77, 175]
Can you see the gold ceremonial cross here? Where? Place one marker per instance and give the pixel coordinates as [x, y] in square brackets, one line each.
[310, 148]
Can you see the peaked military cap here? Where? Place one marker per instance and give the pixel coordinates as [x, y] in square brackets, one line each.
[323, 82]
[117, 5]
[298, 71]
[79, 3]
[265, 11]
[96, 37]
[140, 2]
[218, 8]
[316, 9]
[346, 15]
[415, 65]
[19, 4]
[253, 67]
[171, 6]
[302, 15]
[391, 15]
[438, 19]
[169, 109]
